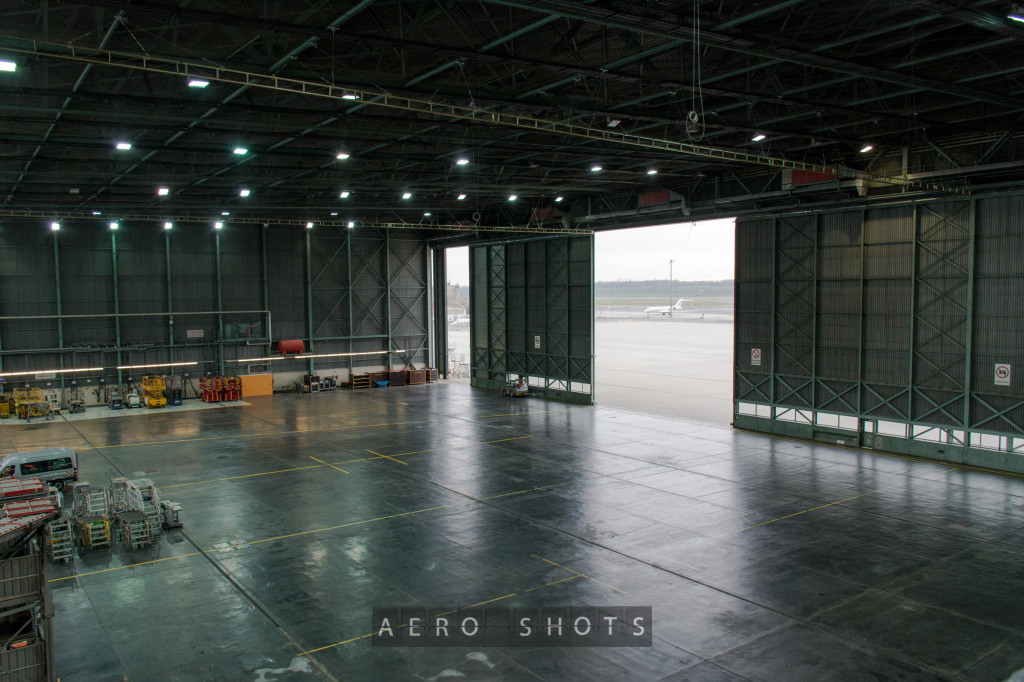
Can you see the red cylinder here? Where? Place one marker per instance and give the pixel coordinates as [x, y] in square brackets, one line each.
[291, 346]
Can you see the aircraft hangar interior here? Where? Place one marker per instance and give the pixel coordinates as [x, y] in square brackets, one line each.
[224, 230]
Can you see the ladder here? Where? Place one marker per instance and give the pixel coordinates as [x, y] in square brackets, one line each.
[60, 544]
[94, 532]
[143, 496]
[118, 494]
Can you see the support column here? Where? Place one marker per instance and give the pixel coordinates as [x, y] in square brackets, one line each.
[387, 277]
[309, 300]
[170, 297]
[969, 350]
[220, 307]
[60, 313]
[117, 306]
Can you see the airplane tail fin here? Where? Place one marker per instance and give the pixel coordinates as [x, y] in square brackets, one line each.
[679, 303]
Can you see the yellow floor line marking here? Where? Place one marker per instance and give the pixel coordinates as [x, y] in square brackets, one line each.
[355, 639]
[789, 516]
[405, 464]
[528, 490]
[334, 464]
[254, 542]
[262, 433]
[577, 574]
[326, 464]
[231, 478]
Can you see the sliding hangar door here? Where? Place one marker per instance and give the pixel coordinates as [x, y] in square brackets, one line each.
[899, 328]
[532, 306]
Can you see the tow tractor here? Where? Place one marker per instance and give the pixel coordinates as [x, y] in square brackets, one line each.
[516, 388]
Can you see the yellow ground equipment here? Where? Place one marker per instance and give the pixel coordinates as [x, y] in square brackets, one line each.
[30, 402]
[153, 391]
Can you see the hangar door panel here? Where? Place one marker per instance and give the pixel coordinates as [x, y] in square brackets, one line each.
[897, 328]
[533, 315]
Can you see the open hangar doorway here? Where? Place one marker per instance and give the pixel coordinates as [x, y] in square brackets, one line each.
[663, 302]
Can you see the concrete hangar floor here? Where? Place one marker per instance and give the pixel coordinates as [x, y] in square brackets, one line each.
[763, 559]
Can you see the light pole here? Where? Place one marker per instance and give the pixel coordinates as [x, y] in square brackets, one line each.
[670, 287]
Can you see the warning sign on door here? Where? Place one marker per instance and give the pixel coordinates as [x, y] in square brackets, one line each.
[755, 357]
[1002, 376]
[536, 342]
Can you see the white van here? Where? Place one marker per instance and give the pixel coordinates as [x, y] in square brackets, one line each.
[56, 466]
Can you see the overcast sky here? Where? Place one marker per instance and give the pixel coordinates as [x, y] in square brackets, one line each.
[699, 250]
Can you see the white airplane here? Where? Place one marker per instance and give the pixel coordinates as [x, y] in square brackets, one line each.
[666, 309]
[461, 322]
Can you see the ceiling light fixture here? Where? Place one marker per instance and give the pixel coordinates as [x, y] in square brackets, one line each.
[461, 197]
[163, 191]
[407, 195]
[344, 194]
[427, 214]
[652, 171]
[243, 192]
[343, 155]
[462, 162]
[168, 226]
[866, 148]
[113, 226]
[334, 213]
[613, 122]
[351, 224]
[6, 65]
[758, 137]
[309, 226]
[595, 168]
[557, 199]
[97, 213]
[1016, 14]
[241, 151]
[124, 145]
[512, 197]
[218, 225]
[225, 212]
[198, 83]
[54, 226]
[348, 94]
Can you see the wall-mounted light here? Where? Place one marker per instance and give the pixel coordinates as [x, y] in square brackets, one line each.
[198, 83]
[309, 226]
[218, 225]
[113, 226]
[7, 65]
[351, 224]
[124, 146]
[168, 226]
[54, 226]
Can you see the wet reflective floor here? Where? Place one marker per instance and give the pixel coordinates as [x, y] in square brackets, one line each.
[763, 559]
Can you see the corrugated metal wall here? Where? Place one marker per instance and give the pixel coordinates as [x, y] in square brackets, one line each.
[883, 327]
[342, 291]
[532, 312]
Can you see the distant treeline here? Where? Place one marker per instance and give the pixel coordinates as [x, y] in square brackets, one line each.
[661, 286]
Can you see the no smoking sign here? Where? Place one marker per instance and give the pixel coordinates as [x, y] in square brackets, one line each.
[755, 357]
[1002, 375]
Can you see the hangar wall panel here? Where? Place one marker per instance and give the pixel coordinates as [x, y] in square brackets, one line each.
[885, 327]
[90, 297]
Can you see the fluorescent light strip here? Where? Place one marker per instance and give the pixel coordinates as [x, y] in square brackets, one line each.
[324, 355]
[162, 364]
[51, 371]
